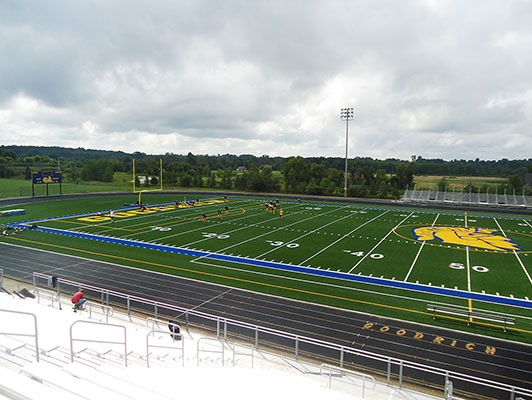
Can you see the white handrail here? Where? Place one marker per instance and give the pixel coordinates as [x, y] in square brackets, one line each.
[107, 311]
[300, 339]
[72, 340]
[148, 345]
[205, 339]
[245, 346]
[332, 368]
[49, 294]
[35, 331]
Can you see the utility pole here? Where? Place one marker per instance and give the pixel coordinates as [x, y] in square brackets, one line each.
[346, 114]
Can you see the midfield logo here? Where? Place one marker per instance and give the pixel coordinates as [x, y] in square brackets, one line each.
[473, 237]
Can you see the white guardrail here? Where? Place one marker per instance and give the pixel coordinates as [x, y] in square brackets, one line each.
[394, 369]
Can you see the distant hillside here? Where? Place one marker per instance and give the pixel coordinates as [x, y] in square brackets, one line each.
[63, 153]
[419, 165]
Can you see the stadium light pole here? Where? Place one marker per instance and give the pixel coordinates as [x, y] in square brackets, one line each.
[345, 115]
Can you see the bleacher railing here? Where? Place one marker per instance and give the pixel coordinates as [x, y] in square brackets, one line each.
[87, 340]
[328, 370]
[34, 334]
[51, 296]
[158, 346]
[200, 349]
[518, 201]
[99, 309]
[395, 370]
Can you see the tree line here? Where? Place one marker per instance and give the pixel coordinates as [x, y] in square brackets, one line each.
[366, 177]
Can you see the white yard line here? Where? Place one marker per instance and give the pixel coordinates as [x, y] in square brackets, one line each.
[202, 227]
[515, 253]
[528, 223]
[108, 224]
[306, 234]
[236, 229]
[270, 232]
[377, 245]
[177, 223]
[418, 253]
[343, 237]
[467, 262]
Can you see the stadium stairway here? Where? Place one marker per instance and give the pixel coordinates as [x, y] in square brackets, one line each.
[191, 366]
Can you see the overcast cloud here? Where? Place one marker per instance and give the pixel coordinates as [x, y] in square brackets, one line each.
[440, 79]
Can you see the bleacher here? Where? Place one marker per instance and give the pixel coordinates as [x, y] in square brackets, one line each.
[504, 200]
[48, 351]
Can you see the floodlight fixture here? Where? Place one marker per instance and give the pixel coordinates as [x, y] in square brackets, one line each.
[346, 114]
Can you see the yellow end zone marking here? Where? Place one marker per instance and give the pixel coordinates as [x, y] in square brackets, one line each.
[455, 246]
[104, 217]
[290, 289]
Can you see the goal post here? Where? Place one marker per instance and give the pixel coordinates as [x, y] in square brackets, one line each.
[139, 190]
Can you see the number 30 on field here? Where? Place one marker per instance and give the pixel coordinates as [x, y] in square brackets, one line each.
[279, 243]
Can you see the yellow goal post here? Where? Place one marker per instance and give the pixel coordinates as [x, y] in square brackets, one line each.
[143, 190]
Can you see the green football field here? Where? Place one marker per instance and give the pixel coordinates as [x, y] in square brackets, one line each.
[317, 252]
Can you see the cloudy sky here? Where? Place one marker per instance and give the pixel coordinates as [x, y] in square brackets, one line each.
[436, 78]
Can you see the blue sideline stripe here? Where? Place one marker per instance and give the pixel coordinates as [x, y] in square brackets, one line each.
[294, 268]
[380, 281]
[126, 242]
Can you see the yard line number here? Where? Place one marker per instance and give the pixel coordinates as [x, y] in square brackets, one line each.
[478, 268]
[375, 256]
[161, 228]
[214, 235]
[278, 243]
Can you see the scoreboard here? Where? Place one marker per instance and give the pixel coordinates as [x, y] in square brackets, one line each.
[47, 177]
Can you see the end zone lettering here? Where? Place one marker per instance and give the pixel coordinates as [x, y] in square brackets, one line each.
[149, 210]
[439, 340]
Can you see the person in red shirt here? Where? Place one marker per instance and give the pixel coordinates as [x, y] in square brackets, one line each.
[78, 300]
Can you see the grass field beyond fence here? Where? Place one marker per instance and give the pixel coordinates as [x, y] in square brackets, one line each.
[459, 182]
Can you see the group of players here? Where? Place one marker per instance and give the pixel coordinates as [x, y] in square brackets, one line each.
[9, 230]
[271, 207]
[204, 216]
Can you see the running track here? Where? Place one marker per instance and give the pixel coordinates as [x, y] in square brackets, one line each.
[511, 364]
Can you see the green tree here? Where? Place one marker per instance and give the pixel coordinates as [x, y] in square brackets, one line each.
[337, 177]
[383, 189]
[107, 174]
[515, 183]
[198, 180]
[295, 174]
[212, 180]
[226, 178]
[73, 173]
[241, 181]
[443, 186]
[405, 175]
[368, 175]
[186, 180]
